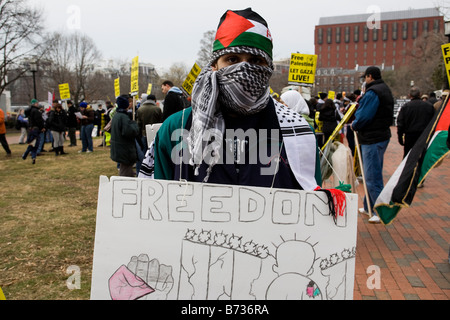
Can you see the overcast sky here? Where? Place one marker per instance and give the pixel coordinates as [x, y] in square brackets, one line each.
[166, 32]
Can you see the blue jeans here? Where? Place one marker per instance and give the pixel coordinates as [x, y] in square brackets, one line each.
[33, 136]
[86, 138]
[372, 157]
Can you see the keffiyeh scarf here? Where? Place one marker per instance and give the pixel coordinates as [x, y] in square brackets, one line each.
[242, 88]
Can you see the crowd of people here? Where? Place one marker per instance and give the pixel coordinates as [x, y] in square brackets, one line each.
[232, 93]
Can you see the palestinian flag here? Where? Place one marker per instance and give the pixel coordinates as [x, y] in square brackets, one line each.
[243, 28]
[428, 151]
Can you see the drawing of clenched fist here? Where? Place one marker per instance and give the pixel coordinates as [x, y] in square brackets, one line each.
[157, 276]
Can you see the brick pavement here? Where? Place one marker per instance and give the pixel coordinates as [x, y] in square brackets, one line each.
[413, 251]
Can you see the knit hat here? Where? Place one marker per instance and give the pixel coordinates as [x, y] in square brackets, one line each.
[83, 105]
[122, 102]
[34, 101]
[243, 28]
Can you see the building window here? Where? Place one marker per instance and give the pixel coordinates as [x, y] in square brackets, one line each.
[426, 25]
[436, 26]
[385, 31]
[365, 34]
[394, 31]
[347, 35]
[329, 35]
[356, 34]
[338, 35]
[320, 36]
[375, 34]
[405, 30]
[415, 29]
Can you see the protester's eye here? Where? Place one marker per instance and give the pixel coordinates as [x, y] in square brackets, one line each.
[232, 59]
[258, 60]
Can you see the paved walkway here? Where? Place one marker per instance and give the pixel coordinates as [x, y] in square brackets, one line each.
[412, 252]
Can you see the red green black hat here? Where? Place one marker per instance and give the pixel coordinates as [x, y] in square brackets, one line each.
[243, 28]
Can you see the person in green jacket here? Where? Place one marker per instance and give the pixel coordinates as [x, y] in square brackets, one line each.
[235, 132]
[123, 138]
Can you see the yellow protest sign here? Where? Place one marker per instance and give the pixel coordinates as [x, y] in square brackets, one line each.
[117, 87]
[2, 296]
[135, 76]
[64, 91]
[302, 68]
[331, 95]
[446, 54]
[149, 89]
[188, 84]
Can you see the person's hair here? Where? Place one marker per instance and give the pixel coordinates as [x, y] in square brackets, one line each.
[432, 94]
[352, 97]
[168, 83]
[414, 92]
[329, 104]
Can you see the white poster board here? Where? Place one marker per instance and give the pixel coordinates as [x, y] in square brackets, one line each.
[174, 240]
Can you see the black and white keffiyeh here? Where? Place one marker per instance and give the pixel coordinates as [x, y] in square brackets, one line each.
[242, 88]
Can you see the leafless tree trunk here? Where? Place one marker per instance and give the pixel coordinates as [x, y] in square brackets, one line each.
[20, 29]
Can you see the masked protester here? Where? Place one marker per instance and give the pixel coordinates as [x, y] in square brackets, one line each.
[235, 132]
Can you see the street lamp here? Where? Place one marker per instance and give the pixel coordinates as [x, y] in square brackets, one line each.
[34, 69]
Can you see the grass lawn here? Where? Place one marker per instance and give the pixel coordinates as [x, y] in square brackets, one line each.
[47, 220]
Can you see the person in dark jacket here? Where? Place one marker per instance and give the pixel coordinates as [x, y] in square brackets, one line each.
[87, 125]
[330, 118]
[37, 126]
[148, 113]
[372, 123]
[123, 138]
[172, 102]
[412, 120]
[72, 124]
[57, 123]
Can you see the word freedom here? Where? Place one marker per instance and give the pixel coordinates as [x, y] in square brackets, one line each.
[238, 147]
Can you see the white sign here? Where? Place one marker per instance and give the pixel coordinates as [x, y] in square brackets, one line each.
[174, 240]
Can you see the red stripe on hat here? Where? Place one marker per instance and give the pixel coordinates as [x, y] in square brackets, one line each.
[233, 26]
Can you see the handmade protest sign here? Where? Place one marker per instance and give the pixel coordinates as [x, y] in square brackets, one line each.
[178, 240]
[302, 68]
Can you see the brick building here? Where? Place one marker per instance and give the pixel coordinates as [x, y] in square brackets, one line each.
[346, 45]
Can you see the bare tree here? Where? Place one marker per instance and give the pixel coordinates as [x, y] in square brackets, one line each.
[177, 74]
[206, 45]
[20, 29]
[73, 58]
